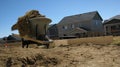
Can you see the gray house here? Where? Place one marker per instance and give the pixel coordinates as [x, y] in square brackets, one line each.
[81, 25]
[52, 31]
[13, 38]
[112, 26]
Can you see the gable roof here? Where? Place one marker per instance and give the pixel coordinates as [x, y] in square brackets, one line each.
[51, 25]
[117, 17]
[79, 17]
[14, 37]
[111, 21]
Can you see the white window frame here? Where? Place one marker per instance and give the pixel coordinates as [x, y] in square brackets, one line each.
[72, 26]
[65, 27]
[96, 22]
[80, 25]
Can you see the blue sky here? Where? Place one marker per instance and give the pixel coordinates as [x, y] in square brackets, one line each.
[10, 10]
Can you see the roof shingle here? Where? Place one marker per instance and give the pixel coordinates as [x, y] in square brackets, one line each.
[79, 17]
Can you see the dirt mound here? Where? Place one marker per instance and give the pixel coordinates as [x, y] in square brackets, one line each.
[34, 61]
[74, 55]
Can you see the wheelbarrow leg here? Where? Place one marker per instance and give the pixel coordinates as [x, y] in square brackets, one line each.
[25, 43]
[22, 43]
[47, 46]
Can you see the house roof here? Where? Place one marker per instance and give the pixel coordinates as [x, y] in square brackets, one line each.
[51, 25]
[14, 37]
[79, 17]
[115, 18]
[112, 21]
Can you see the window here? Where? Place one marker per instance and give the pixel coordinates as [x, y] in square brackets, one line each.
[106, 28]
[96, 22]
[119, 26]
[64, 27]
[72, 26]
[113, 27]
[64, 35]
[80, 25]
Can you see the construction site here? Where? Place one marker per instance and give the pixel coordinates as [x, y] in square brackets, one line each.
[65, 53]
[36, 49]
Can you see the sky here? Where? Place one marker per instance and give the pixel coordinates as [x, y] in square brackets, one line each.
[10, 10]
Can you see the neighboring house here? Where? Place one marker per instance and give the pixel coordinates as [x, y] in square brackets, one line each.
[2, 41]
[81, 25]
[13, 38]
[10, 38]
[53, 31]
[112, 26]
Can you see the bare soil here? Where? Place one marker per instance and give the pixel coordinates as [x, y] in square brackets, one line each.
[76, 55]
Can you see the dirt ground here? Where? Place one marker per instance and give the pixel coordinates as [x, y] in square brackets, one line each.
[76, 55]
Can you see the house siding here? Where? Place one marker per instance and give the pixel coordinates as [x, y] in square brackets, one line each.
[53, 31]
[112, 28]
[93, 25]
[96, 24]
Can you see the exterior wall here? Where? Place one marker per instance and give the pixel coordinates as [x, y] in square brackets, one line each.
[84, 24]
[94, 26]
[90, 25]
[97, 26]
[112, 31]
[63, 32]
[53, 32]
